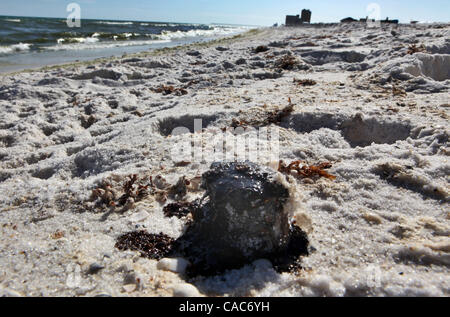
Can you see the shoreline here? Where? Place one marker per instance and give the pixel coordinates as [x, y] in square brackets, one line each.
[176, 44]
[373, 104]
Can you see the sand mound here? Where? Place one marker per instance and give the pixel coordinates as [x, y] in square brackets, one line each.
[357, 130]
[435, 67]
[443, 48]
[421, 73]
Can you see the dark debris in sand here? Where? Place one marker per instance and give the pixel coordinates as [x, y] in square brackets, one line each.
[152, 246]
[179, 210]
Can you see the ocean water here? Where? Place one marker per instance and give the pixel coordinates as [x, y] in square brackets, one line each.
[27, 42]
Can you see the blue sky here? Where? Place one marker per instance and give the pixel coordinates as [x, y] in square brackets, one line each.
[252, 12]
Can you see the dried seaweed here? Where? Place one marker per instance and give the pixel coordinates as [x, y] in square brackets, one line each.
[412, 49]
[398, 91]
[120, 198]
[305, 82]
[307, 44]
[152, 246]
[167, 90]
[277, 116]
[57, 235]
[287, 62]
[132, 191]
[300, 169]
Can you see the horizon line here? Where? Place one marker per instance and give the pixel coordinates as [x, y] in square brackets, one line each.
[128, 20]
[210, 23]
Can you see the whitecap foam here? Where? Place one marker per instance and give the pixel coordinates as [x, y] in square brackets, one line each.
[15, 48]
[114, 23]
[216, 31]
[165, 24]
[13, 20]
[78, 40]
[102, 45]
[124, 36]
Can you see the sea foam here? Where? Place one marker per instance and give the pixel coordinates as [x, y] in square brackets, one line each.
[15, 48]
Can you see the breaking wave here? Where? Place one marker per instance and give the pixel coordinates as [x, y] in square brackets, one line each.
[168, 35]
[114, 23]
[49, 34]
[21, 47]
[78, 40]
[101, 45]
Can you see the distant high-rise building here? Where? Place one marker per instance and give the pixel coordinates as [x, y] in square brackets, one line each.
[293, 20]
[296, 19]
[306, 16]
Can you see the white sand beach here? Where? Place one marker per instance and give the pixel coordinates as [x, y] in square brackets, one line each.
[375, 107]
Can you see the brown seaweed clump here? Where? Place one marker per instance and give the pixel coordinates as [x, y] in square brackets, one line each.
[121, 198]
[133, 190]
[167, 90]
[287, 62]
[300, 169]
[305, 82]
[412, 49]
[152, 246]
